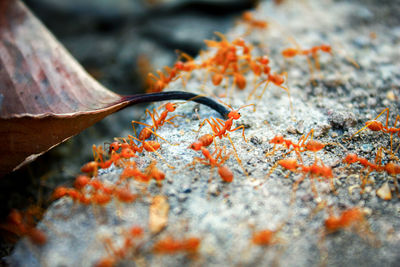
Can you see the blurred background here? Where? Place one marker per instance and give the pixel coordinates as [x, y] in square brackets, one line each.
[118, 42]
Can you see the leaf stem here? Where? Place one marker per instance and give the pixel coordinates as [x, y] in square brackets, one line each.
[176, 95]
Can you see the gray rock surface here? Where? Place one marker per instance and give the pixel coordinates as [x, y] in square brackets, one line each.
[225, 215]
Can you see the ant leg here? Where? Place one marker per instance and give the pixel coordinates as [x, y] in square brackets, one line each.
[215, 126]
[236, 156]
[311, 70]
[296, 186]
[263, 91]
[162, 138]
[313, 188]
[154, 150]
[287, 89]
[152, 76]
[317, 65]
[169, 120]
[371, 122]
[254, 90]
[162, 158]
[237, 128]
[392, 133]
[298, 155]
[152, 116]
[304, 138]
[201, 125]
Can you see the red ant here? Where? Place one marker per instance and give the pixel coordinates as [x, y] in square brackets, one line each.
[267, 237]
[352, 218]
[300, 146]
[162, 81]
[98, 152]
[264, 238]
[170, 245]
[248, 18]
[347, 218]
[187, 66]
[391, 168]
[252, 23]
[158, 121]
[314, 170]
[154, 173]
[128, 246]
[276, 79]
[209, 159]
[222, 128]
[19, 225]
[375, 125]
[150, 146]
[313, 51]
[132, 171]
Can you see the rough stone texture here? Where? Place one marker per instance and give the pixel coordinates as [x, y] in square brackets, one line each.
[224, 215]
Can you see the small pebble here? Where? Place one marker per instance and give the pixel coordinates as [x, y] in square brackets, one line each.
[384, 192]
[391, 96]
[290, 129]
[214, 190]
[366, 148]
[182, 197]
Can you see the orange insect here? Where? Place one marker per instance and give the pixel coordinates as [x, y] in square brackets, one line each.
[347, 219]
[20, 225]
[221, 128]
[128, 246]
[313, 170]
[154, 173]
[252, 23]
[313, 52]
[93, 166]
[266, 237]
[162, 80]
[300, 146]
[376, 126]
[216, 161]
[391, 168]
[124, 195]
[149, 146]
[132, 171]
[170, 245]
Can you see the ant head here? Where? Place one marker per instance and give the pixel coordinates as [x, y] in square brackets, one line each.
[179, 65]
[234, 114]
[326, 48]
[114, 146]
[278, 140]
[170, 107]
[196, 146]
[351, 158]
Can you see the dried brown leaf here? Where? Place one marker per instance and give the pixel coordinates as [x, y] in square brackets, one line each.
[45, 95]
